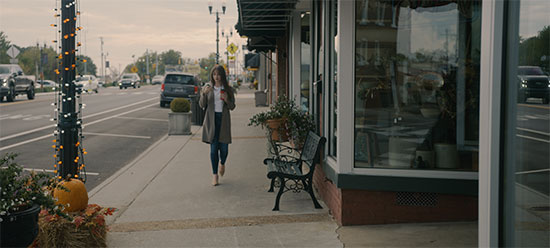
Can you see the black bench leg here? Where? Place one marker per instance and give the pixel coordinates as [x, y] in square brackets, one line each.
[309, 188]
[272, 185]
[281, 191]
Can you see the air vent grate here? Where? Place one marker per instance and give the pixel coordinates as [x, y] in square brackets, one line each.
[416, 199]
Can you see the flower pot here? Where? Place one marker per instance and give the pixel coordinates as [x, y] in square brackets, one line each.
[179, 123]
[19, 229]
[446, 156]
[278, 133]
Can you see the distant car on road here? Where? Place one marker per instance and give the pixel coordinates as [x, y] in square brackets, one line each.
[533, 82]
[87, 83]
[129, 80]
[157, 79]
[13, 82]
[47, 84]
[177, 84]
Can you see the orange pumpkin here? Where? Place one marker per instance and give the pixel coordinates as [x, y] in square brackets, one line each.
[75, 199]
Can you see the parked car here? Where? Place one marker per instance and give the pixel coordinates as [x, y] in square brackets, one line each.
[47, 84]
[157, 79]
[14, 82]
[87, 83]
[533, 82]
[129, 80]
[177, 84]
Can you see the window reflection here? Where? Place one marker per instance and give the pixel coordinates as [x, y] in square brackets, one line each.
[526, 200]
[417, 84]
[305, 61]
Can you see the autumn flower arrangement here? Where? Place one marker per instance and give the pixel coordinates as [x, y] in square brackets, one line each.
[86, 228]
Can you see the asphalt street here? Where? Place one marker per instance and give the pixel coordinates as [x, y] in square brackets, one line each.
[118, 126]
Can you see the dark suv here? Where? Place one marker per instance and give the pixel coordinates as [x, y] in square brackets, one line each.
[177, 84]
[533, 82]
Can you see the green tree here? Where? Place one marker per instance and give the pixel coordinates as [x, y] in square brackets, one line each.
[206, 65]
[171, 57]
[91, 68]
[4, 45]
[536, 50]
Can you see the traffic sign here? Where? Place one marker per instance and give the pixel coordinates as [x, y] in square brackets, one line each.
[14, 61]
[231, 57]
[134, 69]
[13, 52]
[232, 48]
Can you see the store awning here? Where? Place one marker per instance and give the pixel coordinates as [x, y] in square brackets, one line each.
[263, 20]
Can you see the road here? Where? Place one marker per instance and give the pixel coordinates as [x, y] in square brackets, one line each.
[533, 146]
[118, 126]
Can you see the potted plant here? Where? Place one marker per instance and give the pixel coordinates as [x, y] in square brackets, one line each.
[285, 120]
[22, 196]
[274, 120]
[180, 117]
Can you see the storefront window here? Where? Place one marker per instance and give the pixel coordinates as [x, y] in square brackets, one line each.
[417, 84]
[526, 162]
[305, 61]
[333, 80]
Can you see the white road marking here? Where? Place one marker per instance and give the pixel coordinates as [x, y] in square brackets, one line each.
[533, 131]
[533, 171]
[88, 116]
[141, 119]
[117, 135]
[531, 138]
[51, 171]
[91, 123]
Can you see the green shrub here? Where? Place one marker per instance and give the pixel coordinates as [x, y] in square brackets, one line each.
[180, 105]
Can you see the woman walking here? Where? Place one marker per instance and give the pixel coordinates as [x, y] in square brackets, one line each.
[218, 100]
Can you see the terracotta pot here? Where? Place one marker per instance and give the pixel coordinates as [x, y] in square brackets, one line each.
[275, 128]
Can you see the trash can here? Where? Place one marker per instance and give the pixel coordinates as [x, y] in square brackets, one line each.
[197, 116]
[261, 98]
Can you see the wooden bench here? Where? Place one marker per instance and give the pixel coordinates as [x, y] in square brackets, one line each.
[283, 168]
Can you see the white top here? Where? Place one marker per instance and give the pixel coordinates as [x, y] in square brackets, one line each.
[218, 103]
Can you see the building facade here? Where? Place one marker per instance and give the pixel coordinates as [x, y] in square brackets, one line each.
[427, 107]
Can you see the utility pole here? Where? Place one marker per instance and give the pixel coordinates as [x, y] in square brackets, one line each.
[157, 64]
[68, 123]
[147, 62]
[227, 35]
[102, 64]
[217, 29]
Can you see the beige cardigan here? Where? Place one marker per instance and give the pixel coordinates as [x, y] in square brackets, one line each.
[208, 128]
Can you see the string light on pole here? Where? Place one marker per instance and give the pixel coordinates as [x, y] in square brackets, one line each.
[69, 154]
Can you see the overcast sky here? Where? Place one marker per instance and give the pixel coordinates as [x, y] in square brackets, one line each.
[128, 27]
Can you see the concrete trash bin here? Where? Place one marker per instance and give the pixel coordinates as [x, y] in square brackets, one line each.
[261, 98]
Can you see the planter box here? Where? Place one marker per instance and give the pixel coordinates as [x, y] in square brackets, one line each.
[179, 123]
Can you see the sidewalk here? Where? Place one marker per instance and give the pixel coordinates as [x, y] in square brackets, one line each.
[165, 199]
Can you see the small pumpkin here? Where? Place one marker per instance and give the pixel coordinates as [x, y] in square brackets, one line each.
[76, 196]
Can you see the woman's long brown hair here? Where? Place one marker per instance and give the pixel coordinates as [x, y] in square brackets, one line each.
[220, 71]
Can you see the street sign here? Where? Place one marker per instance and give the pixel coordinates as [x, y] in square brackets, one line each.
[231, 57]
[232, 48]
[13, 52]
[14, 61]
[134, 69]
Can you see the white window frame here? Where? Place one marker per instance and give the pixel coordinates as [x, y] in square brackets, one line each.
[492, 38]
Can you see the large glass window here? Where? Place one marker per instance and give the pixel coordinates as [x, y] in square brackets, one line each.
[526, 162]
[417, 84]
[305, 60]
[333, 74]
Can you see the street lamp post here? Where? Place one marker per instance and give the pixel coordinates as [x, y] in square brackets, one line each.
[217, 28]
[227, 35]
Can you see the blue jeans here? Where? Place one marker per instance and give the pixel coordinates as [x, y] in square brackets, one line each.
[217, 149]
